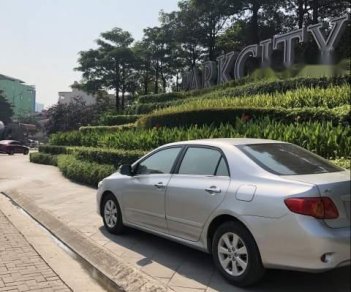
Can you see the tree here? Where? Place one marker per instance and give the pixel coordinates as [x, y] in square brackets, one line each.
[188, 34]
[68, 117]
[312, 11]
[6, 111]
[158, 41]
[143, 74]
[213, 17]
[106, 66]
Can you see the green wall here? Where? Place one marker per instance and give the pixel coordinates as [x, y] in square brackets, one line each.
[20, 95]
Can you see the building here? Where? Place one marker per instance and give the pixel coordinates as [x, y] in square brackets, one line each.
[39, 107]
[20, 95]
[69, 96]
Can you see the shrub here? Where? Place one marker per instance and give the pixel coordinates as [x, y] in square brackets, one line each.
[84, 172]
[114, 157]
[43, 158]
[163, 97]
[242, 88]
[320, 137]
[103, 129]
[108, 156]
[217, 116]
[114, 120]
[331, 97]
[53, 149]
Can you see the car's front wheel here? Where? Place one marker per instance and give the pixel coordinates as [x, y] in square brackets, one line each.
[111, 214]
[236, 255]
[25, 152]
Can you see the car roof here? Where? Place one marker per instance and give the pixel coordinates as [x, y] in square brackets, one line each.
[226, 141]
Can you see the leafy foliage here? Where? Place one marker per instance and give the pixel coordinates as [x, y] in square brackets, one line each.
[67, 117]
[114, 157]
[88, 173]
[114, 120]
[216, 116]
[43, 158]
[320, 137]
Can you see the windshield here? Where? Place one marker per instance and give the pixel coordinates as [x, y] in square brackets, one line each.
[287, 159]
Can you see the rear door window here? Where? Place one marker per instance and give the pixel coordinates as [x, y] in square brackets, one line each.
[200, 161]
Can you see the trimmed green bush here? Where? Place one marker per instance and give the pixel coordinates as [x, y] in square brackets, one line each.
[114, 120]
[114, 157]
[43, 158]
[163, 97]
[53, 149]
[246, 88]
[322, 138]
[217, 116]
[103, 129]
[330, 97]
[108, 156]
[88, 173]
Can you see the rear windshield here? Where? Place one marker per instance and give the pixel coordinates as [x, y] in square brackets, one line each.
[287, 159]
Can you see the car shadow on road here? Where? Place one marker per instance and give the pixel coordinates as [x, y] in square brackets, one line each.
[198, 267]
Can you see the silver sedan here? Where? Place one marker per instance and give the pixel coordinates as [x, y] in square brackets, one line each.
[253, 204]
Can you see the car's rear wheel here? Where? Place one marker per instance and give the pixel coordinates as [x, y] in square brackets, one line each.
[25, 152]
[112, 215]
[11, 152]
[236, 255]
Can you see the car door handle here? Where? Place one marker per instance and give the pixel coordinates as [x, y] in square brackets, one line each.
[213, 190]
[159, 185]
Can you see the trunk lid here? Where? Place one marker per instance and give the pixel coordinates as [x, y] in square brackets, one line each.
[335, 185]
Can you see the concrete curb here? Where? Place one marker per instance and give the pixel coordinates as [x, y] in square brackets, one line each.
[120, 275]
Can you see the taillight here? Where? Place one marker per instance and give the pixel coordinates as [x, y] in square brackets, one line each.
[321, 208]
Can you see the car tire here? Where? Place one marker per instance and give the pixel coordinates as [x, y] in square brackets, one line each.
[112, 215]
[240, 262]
[11, 152]
[25, 152]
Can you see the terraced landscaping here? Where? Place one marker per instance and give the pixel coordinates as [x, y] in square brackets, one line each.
[311, 112]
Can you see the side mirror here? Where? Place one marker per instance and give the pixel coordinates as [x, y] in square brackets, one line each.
[125, 169]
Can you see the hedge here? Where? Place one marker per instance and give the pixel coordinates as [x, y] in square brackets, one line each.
[114, 120]
[152, 98]
[53, 149]
[235, 89]
[43, 158]
[114, 157]
[88, 173]
[322, 138]
[107, 156]
[217, 116]
[102, 129]
[331, 97]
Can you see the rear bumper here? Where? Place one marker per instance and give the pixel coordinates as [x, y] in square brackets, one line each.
[298, 242]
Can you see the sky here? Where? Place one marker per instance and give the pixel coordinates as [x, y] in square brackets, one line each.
[40, 39]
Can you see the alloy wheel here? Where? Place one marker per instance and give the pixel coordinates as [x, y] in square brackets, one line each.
[110, 213]
[232, 254]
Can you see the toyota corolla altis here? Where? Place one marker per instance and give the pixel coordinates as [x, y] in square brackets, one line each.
[253, 204]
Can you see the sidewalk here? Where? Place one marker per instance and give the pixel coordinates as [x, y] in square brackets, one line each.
[21, 267]
[136, 261]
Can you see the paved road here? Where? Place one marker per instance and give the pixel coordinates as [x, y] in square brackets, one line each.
[178, 267]
[21, 267]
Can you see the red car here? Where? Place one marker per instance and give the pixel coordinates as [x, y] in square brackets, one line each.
[11, 147]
